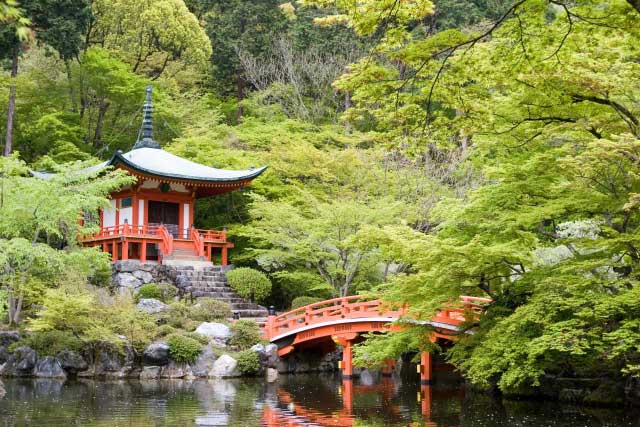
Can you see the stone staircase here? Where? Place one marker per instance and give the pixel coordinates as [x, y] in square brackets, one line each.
[185, 257]
[211, 282]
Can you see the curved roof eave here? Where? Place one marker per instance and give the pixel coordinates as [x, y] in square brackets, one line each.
[120, 158]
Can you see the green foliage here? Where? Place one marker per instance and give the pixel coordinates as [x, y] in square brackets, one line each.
[210, 309]
[164, 330]
[249, 283]
[302, 301]
[244, 334]
[150, 290]
[200, 338]
[183, 349]
[48, 343]
[248, 362]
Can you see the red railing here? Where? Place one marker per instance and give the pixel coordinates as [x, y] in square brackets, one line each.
[125, 230]
[167, 240]
[212, 235]
[354, 307]
[198, 242]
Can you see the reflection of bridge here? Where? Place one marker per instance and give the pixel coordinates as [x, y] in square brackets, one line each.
[287, 412]
[342, 320]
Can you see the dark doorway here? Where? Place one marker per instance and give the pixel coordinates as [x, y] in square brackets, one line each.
[165, 213]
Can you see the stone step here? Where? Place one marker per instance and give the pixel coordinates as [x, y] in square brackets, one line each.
[216, 295]
[211, 288]
[252, 313]
[245, 306]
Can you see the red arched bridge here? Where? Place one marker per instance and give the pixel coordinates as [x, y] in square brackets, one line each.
[342, 320]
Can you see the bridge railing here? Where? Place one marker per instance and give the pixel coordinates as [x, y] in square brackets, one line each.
[356, 306]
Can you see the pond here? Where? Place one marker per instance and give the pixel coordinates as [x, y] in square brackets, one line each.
[301, 400]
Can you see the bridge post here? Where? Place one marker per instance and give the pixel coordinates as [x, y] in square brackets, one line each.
[426, 368]
[424, 397]
[347, 361]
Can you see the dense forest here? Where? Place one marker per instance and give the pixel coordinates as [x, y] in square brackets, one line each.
[417, 150]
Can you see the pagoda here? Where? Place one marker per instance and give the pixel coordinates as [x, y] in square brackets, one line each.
[152, 220]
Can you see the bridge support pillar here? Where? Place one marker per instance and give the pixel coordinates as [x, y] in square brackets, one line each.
[347, 361]
[426, 368]
[424, 397]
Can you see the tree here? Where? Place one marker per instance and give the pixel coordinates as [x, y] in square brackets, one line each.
[36, 215]
[57, 23]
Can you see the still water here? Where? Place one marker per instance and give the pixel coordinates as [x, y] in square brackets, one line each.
[301, 400]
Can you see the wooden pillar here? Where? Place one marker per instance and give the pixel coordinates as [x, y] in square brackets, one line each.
[125, 250]
[425, 401]
[347, 361]
[224, 259]
[105, 247]
[114, 253]
[143, 251]
[426, 368]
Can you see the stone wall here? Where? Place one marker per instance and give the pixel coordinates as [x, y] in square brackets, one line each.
[130, 275]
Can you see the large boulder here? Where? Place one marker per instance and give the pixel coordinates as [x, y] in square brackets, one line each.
[225, 367]
[217, 332]
[21, 363]
[6, 339]
[144, 276]
[176, 370]
[150, 373]
[127, 281]
[152, 305]
[49, 367]
[156, 354]
[271, 351]
[71, 361]
[272, 375]
[108, 362]
[204, 362]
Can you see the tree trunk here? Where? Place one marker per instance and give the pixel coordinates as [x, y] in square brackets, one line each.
[72, 94]
[347, 105]
[239, 96]
[11, 110]
[102, 111]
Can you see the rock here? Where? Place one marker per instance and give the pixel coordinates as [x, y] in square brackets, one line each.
[271, 350]
[224, 367]
[150, 373]
[144, 276]
[272, 375]
[109, 362]
[176, 370]
[71, 361]
[126, 266]
[152, 305]
[49, 367]
[204, 362]
[127, 280]
[183, 281]
[2, 390]
[608, 392]
[6, 339]
[157, 354]
[258, 348]
[21, 363]
[214, 331]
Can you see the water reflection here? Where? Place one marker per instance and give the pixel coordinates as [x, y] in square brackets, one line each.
[309, 400]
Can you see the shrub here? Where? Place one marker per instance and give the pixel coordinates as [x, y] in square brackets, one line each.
[244, 334]
[162, 292]
[177, 315]
[248, 362]
[249, 283]
[208, 309]
[302, 301]
[202, 339]
[48, 343]
[165, 330]
[183, 349]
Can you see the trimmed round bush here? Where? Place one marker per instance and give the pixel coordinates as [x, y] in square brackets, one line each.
[302, 301]
[244, 334]
[209, 309]
[248, 362]
[183, 349]
[249, 283]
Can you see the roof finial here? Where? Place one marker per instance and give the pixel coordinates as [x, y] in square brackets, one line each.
[147, 125]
